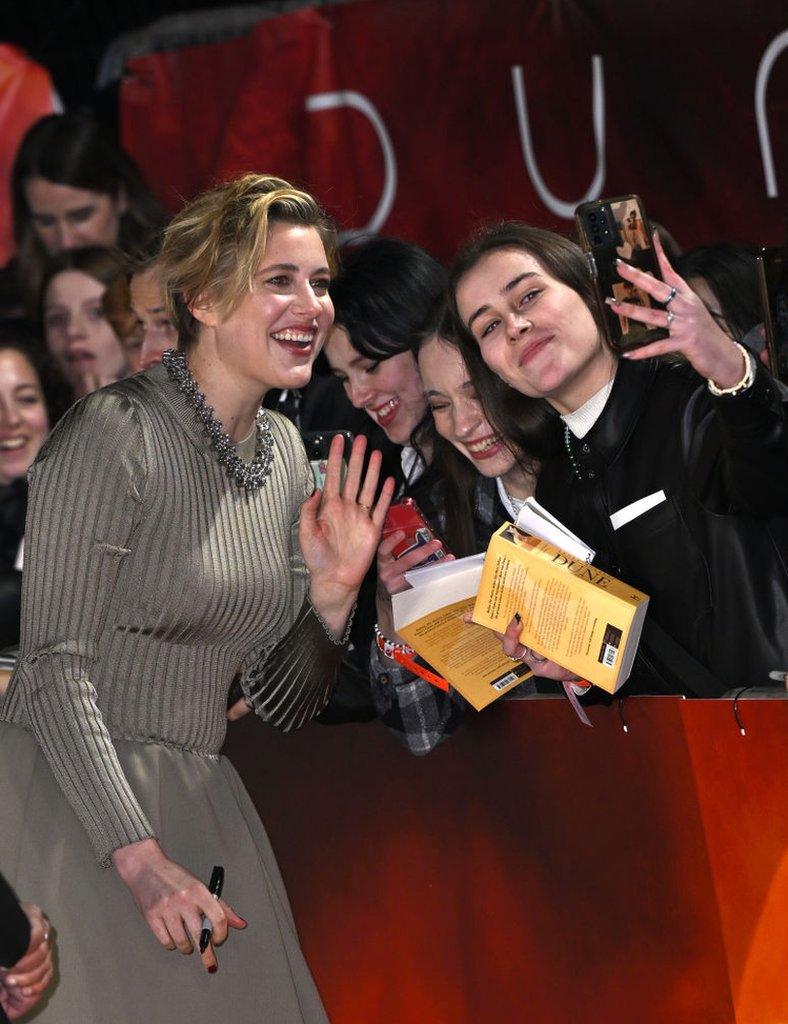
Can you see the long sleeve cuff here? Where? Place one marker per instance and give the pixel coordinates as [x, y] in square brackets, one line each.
[291, 684]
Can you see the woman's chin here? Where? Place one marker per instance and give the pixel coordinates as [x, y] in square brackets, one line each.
[396, 435]
[294, 378]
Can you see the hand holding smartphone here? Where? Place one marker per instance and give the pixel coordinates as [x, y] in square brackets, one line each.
[611, 229]
[407, 517]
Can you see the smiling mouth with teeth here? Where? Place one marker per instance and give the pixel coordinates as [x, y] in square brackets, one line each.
[382, 411]
[12, 444]
[485, 448]
[302, 339]
[484, 444]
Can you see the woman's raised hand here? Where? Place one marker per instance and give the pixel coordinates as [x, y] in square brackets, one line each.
[340, 529]
[173, 901]
[693, 331]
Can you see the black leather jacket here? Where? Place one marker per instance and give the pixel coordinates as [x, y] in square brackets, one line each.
[13, 505]
[712, 556]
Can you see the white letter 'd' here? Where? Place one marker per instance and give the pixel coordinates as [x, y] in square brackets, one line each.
[355, 100]
[553, 203]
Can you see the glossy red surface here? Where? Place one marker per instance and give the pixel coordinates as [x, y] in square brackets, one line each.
[533, 869]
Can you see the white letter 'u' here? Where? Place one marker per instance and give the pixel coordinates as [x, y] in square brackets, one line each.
[357, 101]
[553, 203]
[773, 51]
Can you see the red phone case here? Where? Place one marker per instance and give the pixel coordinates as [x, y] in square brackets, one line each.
[406, 515]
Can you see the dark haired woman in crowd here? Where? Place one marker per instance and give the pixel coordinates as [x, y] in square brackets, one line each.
[386, 292]
[670, 471]
[725, 277]
[479, 482]
[174, 483]
[381, 297]
[32, 397]
[73, 188]
[85, 312]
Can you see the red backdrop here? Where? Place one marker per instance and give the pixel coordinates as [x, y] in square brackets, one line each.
[534, 870]
[26, 94]
[411, 116]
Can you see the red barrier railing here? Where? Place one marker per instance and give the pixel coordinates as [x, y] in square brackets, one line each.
[533, 870]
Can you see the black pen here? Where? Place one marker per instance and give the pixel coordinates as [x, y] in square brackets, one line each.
[215, 889]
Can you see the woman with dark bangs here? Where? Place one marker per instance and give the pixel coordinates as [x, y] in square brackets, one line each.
[382, 297]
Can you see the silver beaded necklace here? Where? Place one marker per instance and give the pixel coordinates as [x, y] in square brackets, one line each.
[251, 475]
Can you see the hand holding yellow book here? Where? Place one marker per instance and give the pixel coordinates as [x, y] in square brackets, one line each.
[571, 612]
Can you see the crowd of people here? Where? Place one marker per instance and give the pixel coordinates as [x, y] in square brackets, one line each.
[154, 380]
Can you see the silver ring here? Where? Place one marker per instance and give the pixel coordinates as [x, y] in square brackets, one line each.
[670, 297]
[671, 318]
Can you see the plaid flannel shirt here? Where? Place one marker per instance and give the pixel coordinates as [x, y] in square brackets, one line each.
[419, 714]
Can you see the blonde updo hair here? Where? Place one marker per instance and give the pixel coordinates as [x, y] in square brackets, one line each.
[213, 248]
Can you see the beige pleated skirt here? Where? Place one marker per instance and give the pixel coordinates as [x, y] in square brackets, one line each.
[111, 969]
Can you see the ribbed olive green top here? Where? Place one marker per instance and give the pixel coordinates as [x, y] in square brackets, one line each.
[150, 580]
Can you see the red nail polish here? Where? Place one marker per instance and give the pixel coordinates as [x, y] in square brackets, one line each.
[212, 969]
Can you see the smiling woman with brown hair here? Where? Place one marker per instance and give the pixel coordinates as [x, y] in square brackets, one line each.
[673, 471]
[174, 543]
[72, 188]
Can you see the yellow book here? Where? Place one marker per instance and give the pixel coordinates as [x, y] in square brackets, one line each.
[430, 618]
[572, 612]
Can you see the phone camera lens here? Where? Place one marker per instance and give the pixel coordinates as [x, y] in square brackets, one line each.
[592, 216]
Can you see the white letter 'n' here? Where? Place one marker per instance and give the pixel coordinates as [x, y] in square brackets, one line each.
[552, 202]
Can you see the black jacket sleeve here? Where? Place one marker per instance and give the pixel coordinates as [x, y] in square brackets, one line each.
[749, 431]
[10, 606]
[14, 927]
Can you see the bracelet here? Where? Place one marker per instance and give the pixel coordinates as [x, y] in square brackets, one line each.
[404, 655]
[744, 383]
[389, 646]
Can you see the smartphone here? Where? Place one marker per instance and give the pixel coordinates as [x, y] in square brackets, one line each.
[611, 229]
[773, 287]
[407, 516]
[317, 444]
